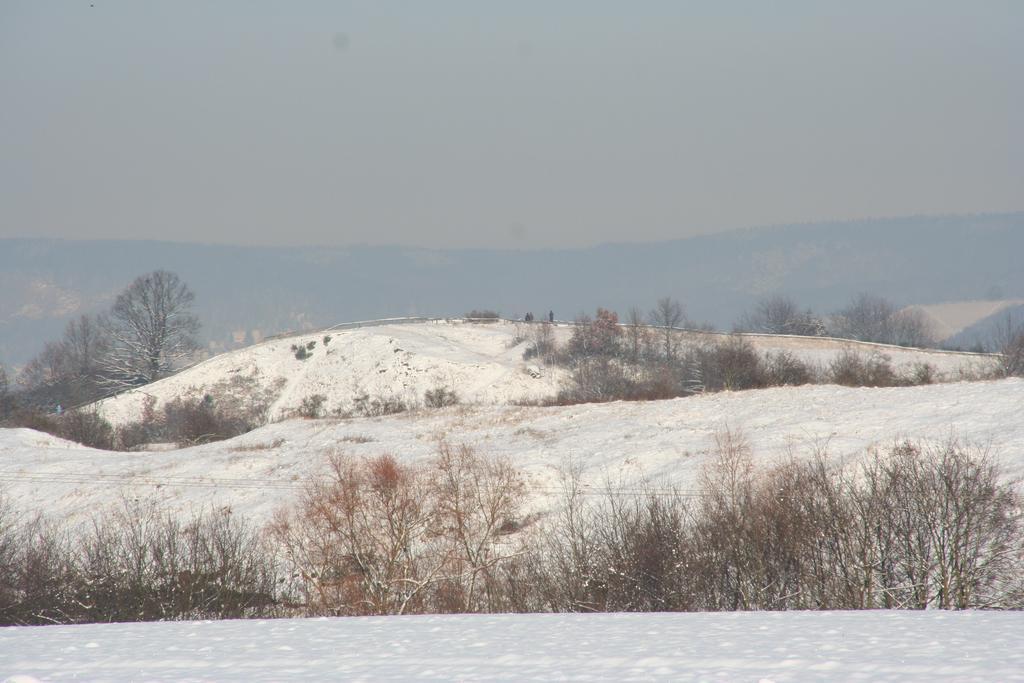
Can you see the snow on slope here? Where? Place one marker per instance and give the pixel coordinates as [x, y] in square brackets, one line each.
[663, 442]
[741, 646]
[389, 361]
[481, 362]
[947, 319]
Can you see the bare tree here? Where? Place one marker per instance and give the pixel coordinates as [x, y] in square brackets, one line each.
[151, 329]
[910, 327]
[478, 499]
[1008, 340]
[6, 404]
[85, 342]
[780, 315]
[67, 372]
[874, 319]
[667, 314]
[636, 333]
[866, 318]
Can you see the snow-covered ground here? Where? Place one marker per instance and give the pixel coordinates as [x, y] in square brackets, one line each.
[482, 363]
[660, 442]
[750, 646]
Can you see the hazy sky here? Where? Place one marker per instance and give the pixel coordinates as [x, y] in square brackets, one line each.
[513, 124]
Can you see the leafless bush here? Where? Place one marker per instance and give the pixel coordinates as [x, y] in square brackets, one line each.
[595, 337]
[477, 506]
[365, 405]
[922, 373]
[133, 566]
[780, 315]
[1008, 341]
[852, 369]
[84, 426]
[785, 369]
[595, 380]
[948, 529]
[141, 565]
[732, 365]
[542, 343]
[1013, 356]
[88, 428]
[440, 397]
[38, 578]
[668, 314]
[566, 567]
[195, 421]
[912, 527]
[874, 319]
[361, 539]
[380, 537]
[484, 315]
[312, 406]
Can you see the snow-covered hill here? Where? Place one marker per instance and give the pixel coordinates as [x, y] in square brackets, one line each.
[482, 363]
[661, 442]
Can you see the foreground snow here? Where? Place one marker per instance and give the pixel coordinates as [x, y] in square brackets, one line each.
[663, 443]
[752, 646]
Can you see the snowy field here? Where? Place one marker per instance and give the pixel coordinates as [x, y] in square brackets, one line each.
[660, 443]
[483, 363]
[746, 646]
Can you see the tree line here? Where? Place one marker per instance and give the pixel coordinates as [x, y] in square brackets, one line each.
[145, 334]
[913, 526]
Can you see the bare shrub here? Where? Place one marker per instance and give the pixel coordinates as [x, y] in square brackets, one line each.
[357, 438]
[874, 319]
[785, 369]
[477, 506]
[141, 565]
[542, 343]
[1013, 356]
[566, 569]
[647, 550]
[38, 573]
[912, 527]
[922, 373]
[852, 369]
[132, 566]
[780, 315]
[312, 406]
[88, 428]
[34, 419]
[365, 405]
[146, 430]
[1008, 341]
[7, 402]
[483, 315]
[376, 536]
[598, 336]
[361, 538]
[189, 422]
[948, 528]
[440, 397]
[668, 314]
[732, 365]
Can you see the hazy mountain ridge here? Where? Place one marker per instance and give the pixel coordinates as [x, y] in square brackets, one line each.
[256, 291]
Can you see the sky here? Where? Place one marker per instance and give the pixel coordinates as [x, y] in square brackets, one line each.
[532, 124]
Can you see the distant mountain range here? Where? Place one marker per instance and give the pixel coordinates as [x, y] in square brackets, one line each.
[245, 293]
